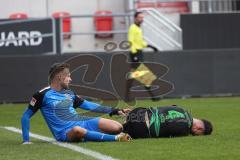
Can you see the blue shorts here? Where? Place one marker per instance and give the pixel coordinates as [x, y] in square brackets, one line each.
[90, 125]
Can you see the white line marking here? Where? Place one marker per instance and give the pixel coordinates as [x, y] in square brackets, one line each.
[79, 149]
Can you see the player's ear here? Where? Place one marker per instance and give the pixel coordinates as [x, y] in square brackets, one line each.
[59, 77]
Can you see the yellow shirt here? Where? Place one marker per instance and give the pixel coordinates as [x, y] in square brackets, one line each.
[135, 37]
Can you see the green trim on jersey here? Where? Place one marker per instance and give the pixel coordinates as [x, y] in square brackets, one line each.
[158, 118]
[155, 120]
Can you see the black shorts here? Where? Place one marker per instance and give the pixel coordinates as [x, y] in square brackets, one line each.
[135, 124]
[136, 58]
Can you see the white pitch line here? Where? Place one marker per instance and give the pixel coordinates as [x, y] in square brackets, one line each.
[79, 149]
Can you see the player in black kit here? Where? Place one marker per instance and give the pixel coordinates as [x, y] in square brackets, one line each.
[170, 121]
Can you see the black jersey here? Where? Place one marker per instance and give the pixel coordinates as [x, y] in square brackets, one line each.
[170, 121]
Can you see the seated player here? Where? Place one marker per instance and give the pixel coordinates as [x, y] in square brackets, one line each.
[57, 104]
[171, 121]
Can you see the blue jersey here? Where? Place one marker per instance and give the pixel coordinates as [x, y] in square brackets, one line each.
[58, 109]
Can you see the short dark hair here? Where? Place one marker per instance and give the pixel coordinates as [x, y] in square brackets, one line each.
[55, 69]
[208, 128]
[137, 13]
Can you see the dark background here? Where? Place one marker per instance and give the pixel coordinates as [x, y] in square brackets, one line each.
[208, 66]
[195, 73]
[211, 31]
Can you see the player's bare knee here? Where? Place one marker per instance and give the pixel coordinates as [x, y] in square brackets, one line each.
[79, 132]
[118, 128]
[76, 134]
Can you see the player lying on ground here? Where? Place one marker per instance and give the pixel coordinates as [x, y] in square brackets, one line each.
[57, 104]
[171, 121]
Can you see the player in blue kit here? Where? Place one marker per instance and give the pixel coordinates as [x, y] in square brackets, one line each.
[57, 104]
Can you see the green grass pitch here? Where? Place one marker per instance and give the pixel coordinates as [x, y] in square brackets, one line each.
[223, 144]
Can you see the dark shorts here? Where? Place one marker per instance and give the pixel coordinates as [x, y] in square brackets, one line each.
[136, 58]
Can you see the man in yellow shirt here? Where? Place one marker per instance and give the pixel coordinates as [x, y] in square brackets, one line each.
[135, 38]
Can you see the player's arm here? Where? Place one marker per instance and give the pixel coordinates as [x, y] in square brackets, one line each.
[33, 107]
[144, 43]
[25, 121]
[95, 107]
[152, 47]
[131, 37]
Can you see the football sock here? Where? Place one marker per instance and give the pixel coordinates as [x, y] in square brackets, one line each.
[98, 136]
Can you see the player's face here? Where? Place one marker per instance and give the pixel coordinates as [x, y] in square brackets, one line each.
[65, 78]
[198, 127]
[139, 19]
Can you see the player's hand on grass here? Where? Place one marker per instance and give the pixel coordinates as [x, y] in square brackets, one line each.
[121, 112]
[124, 112]
[27, 142]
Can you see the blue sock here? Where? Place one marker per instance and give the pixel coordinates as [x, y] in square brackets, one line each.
[98, 136]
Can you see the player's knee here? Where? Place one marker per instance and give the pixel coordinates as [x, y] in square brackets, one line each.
[118, 128]
[77, 133]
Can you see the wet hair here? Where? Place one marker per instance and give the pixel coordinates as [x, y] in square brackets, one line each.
[208, 128]
[137, 13]
[55, 69]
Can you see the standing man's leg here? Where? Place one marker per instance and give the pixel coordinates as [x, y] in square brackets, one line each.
[134, 59]
[148, 88]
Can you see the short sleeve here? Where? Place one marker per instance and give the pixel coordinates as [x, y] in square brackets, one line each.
[77, 101]
[36, 102]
